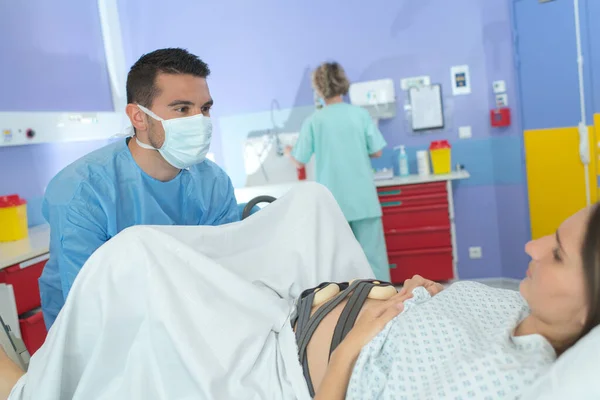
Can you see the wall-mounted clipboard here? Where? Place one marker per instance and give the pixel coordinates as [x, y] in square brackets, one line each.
[426, 107]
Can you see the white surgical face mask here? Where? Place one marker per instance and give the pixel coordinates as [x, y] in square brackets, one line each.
[187, 139]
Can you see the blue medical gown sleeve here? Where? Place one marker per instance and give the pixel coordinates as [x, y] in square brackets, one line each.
[76, 231]
[375, 140]
[224, 204]
[305, 146]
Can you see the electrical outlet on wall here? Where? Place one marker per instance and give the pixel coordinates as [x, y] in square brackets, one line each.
[464, 132]
[475, 252]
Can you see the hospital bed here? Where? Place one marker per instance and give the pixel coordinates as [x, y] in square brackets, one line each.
[252, 206]
[13, 346]
[574, 373]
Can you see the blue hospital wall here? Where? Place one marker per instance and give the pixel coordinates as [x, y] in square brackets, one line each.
[56, 64]
[546, 60]
[261, 53]
[264, 52]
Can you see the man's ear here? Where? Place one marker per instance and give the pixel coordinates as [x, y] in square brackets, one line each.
[136, 117]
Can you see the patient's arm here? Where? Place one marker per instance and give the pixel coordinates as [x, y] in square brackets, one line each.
[10, 373]
[337, 377]
[368, 325]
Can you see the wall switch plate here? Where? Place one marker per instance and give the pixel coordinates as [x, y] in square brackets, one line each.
[475, 252]
[501, 100]
[499, 87]
[464, 132]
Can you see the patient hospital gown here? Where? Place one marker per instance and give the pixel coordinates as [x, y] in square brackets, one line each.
[456, 345]
[196, 312]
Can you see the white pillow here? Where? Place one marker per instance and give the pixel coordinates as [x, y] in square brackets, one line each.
[575, 375]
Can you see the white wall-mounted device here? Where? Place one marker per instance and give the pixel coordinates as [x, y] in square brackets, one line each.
[378, 97]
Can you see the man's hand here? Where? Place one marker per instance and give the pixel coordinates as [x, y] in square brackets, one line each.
[410, 284]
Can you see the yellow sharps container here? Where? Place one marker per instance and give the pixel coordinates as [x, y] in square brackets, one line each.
[13, 218]
[441, 158]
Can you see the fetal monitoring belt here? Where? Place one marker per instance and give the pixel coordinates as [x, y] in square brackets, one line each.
[332, 294]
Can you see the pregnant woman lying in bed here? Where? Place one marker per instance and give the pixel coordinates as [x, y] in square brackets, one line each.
[168, 313]
[471, 341]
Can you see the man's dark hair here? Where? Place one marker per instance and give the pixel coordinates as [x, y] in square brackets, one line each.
[141, 87]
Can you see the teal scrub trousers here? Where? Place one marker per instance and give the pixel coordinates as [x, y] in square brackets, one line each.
[369, 233]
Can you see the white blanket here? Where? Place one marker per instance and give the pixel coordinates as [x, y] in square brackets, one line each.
[196, 312]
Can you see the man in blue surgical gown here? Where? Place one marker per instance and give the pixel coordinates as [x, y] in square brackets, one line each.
[158, 177]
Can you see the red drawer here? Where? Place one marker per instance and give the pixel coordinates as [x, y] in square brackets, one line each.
[420, 238]
[435, 265]
[413, 190]
[33, 331]
[396, 202]
[24, 279]
[415, 217]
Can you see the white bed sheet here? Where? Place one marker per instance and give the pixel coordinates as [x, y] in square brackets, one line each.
[196, 312]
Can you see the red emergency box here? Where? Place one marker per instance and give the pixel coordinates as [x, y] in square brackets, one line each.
[500, 117]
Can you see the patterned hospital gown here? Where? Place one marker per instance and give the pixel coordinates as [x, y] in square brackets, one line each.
[457, 345]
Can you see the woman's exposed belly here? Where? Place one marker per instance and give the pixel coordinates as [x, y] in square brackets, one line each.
[317, 351]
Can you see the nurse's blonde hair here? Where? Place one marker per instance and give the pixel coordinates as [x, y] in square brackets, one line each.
[329, 80]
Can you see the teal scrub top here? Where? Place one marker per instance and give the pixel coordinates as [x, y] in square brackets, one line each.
[342, 136]
[105, 192]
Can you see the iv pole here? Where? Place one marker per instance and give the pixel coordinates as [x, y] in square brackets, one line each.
[584, 148]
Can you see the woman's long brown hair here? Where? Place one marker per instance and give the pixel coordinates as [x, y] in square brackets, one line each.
[591, 268]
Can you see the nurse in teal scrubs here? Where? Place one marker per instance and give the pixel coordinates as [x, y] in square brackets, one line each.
[343, 138]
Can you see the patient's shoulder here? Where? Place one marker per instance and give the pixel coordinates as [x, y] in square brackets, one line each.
[483, 303]
[472, 288]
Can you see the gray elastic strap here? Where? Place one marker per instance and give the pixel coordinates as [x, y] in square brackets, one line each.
[349, 314]
[309, 329]
[351, 311]
[304, 308]
[318, 316]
